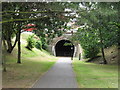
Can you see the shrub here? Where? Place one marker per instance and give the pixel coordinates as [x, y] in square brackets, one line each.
[38, 45]
[30, 42]
[44, 43]
[45, 46]
[91, 51]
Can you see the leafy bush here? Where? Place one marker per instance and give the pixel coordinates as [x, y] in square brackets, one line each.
[38, 45]
[45, 46]
[30, 42]
[91, 51]
[89, 41]
[44, 43]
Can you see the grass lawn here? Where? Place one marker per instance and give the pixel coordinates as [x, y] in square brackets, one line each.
[34, 64]
[91, 75]
[25, 74]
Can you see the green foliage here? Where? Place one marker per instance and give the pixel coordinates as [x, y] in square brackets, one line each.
[30, 42]
[68, 44]
[97, 32]
[34, 42]
[91, 51]
[51, 21]
[45, 46]
[50, 17]
[88, 38]
[38, 45]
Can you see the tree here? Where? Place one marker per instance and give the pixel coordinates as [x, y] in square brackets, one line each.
[44, 15]
[97, 16]
[4, 56]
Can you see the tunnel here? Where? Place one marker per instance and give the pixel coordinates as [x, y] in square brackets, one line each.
[64, 48]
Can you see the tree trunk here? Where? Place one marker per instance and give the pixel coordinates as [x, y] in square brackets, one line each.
[102, 48]
[10, 47]
[9, 43]
[103, 55]
[19, 46]
[4, 56]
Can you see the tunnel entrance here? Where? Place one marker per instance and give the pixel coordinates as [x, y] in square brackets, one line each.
[64, 48]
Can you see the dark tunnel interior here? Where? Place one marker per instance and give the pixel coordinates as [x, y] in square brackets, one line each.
[64, 48]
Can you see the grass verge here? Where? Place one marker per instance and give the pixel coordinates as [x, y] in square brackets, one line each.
[91, 75]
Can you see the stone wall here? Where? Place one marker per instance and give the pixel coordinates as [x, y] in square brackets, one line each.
[78, 49]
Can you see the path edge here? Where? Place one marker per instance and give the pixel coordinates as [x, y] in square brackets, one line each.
[74, 74]
[41, 76]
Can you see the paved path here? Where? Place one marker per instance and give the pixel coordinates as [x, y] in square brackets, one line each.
[61, 75]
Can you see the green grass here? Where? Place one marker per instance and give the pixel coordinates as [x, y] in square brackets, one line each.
[34, 64]
[25, 74]
[91, 75]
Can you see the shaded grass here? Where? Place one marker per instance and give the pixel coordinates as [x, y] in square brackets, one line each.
[91, 75]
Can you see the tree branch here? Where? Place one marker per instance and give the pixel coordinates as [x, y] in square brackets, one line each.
[50, 11]
[15, 20]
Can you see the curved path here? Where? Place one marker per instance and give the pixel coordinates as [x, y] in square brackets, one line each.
[61, 75]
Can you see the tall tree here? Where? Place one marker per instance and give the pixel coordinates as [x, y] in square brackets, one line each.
[98, 16]
[47, 16]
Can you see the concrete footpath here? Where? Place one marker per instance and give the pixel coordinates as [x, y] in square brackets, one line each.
[61, 75]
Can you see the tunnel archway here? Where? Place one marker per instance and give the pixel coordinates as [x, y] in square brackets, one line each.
[64, 48]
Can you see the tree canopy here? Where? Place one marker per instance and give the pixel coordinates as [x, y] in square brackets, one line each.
[98, 23]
